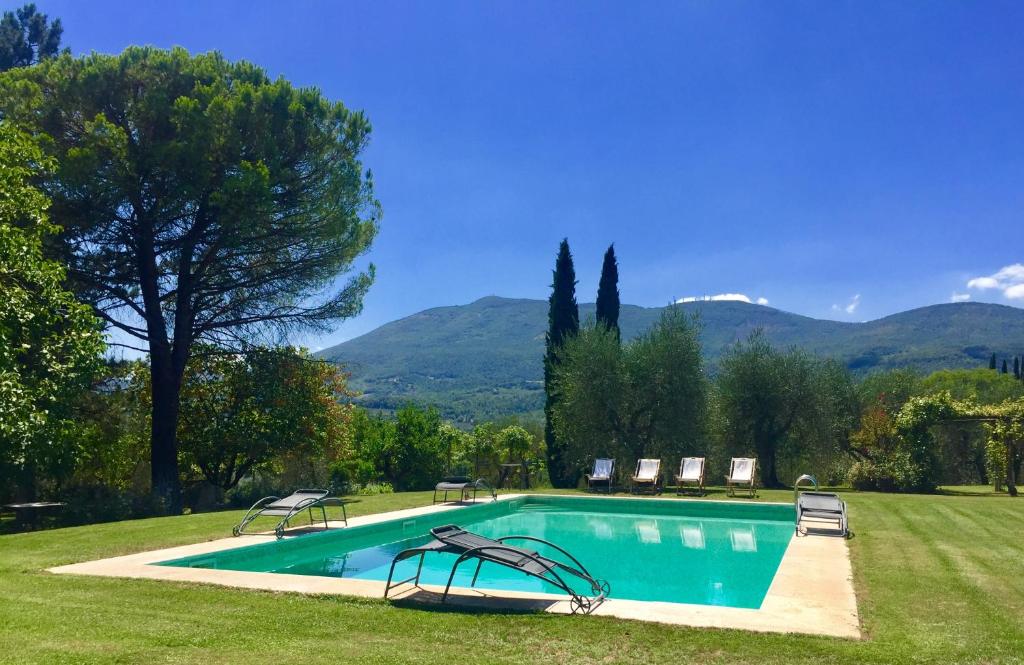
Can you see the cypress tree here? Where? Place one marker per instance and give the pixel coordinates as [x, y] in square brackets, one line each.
[992, 361]
[608, 292]
[563, 322]
[1016, 367]
[1004, 370]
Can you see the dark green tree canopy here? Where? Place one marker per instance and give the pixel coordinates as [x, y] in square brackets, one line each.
[563, 324]
[27, 37]
[608, 292]
[201, 201]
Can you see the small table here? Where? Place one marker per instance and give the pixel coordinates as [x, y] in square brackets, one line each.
[508, 470]
[28, 514]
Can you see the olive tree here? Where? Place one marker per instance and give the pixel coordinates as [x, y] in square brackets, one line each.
[647, 398]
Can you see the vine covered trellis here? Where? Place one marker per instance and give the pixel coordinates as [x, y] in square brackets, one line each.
[1004, 424]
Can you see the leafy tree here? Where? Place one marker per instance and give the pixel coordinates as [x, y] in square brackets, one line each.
[608, 292]
[27, 37]
[976, 385]
[768, 399]
[50, 344]
[202, 202]
[644, 399]
[890, 389]
[563, 323]
[241, 413]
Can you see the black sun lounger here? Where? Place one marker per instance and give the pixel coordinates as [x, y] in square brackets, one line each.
[288, 507]
[821, 506]
[463, 486]
[455, 540]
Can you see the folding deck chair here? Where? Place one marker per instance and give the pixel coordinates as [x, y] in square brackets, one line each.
[463, 485]
[452, 539]
[602, 473]
[648, 474]
[288, 507]
[742, 474]
[691, 472]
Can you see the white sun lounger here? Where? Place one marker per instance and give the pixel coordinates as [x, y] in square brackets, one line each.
[742, 475]
[648, 475]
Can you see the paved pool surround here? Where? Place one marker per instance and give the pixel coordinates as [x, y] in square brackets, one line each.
[811, 592]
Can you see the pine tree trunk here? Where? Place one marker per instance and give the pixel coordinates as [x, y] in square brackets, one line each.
[165, 384]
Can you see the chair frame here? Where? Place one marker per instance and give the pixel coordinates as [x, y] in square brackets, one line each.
[593, 481]
[636, 482]
[464, 489]
[749, 486]
[681, 482]
[264, 507]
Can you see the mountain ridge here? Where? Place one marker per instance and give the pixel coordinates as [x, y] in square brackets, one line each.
[483, 359]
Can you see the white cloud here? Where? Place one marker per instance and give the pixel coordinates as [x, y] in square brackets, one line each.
[1008, 279]
[959, 297]
[1015, 292]
[736, 297]
[983, 283]
[849, 307]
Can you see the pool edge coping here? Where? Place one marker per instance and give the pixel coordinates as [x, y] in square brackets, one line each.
[812, 591]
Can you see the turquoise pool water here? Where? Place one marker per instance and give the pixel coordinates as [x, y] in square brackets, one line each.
[711, 553]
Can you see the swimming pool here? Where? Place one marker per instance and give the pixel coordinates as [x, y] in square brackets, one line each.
[702, 552]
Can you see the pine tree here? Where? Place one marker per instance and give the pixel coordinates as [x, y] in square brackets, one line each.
[1016, 367]
[1004, 370]
[608, 292]
[563, 322]
[992, 361]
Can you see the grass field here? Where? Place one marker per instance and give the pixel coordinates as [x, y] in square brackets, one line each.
[939, 579]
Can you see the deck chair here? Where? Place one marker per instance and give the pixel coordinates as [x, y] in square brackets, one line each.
[601, 474]
[648, 474]
[289, 507]
[691, 475]
[742, 475]
[821, 507]
[464, 486]
[452, 539]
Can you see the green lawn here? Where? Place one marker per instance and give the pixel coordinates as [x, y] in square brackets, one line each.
[939, 579]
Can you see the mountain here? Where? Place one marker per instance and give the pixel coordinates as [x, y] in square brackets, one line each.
[483, 360]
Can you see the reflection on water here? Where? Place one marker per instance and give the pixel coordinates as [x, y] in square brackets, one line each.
[692, 535]
[743, 539]
[647, 532]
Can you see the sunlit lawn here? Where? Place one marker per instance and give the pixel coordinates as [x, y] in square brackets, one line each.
[939, 579]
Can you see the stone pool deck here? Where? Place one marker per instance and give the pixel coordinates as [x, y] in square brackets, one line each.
[812, 592]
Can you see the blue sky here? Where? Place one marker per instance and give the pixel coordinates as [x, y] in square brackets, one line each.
[841, 160]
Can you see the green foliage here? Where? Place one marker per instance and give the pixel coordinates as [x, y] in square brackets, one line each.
[976, 385]
[563, 324]
[889, 389]
[900, 452]
[26, 37]
[243, 413]
[644, 399]
[50, 344]
[782, 403]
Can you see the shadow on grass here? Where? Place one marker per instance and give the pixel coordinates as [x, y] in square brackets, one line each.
[421, 599]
